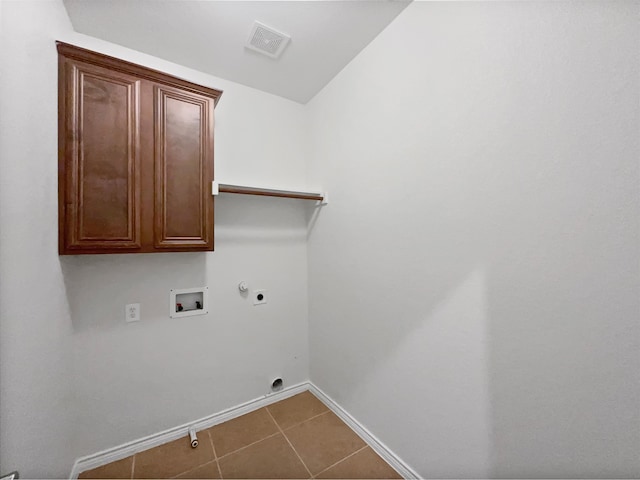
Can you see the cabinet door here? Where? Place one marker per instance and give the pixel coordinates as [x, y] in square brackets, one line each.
[183, 169]
[99, 123]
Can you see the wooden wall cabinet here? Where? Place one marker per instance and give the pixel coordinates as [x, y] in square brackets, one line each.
[135, 158]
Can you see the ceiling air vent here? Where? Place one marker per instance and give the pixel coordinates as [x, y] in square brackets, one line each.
[266, 40]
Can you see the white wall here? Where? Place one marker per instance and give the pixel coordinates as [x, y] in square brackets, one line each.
[36, 414]
[143, 378]
[76, 378]
[474, 284]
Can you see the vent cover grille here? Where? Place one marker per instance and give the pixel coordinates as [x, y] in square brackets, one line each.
[266, 40]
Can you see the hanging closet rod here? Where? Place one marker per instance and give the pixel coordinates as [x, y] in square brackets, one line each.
[268, 192]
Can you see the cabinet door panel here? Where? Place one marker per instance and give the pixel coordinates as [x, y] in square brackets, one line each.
[102, 159]
[183, 166]
[135, 157]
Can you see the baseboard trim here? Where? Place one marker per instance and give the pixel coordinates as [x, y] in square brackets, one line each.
[376, 445]
[95, 460]
[98, 459]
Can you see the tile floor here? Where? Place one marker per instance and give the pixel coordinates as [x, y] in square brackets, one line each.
[295, 438]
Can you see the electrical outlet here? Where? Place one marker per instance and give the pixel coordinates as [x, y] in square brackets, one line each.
[259, 297]
[132, 312]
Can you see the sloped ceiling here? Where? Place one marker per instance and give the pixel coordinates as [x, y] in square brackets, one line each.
[210, 36]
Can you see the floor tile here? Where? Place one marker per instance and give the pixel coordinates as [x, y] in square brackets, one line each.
[117, 469]
[173, 458]
[208, 470]
[323, 441]
[270, 458]
[252, 446]
[242, 431]
[364, 464]
[296, 409]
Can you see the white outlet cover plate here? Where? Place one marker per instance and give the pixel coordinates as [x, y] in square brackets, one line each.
[132, 312]
[255, 297]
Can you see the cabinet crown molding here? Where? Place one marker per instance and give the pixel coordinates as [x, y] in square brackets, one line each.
[123, 66]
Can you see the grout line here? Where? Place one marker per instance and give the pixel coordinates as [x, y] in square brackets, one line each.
[340, 461]
[247, 446]
[219, 469]
[133, 464]
[273, 419]
[201, 445]
[194, 468]
[290, 444]
[280, 430]
[305, 421]
[215, 453]
[130, 448]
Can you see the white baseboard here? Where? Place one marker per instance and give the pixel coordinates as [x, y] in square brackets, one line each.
[125, 450]
[95, 460]
[376, 445]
